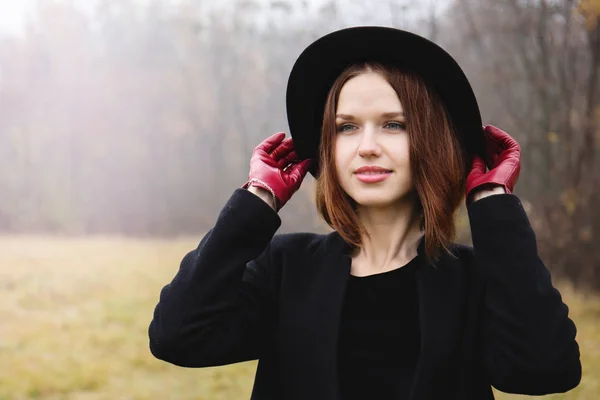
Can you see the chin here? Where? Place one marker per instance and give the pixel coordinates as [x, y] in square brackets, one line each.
[380, 197]
[375, 199]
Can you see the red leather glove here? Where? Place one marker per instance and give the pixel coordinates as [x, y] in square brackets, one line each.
[503, 157]
[274, 166]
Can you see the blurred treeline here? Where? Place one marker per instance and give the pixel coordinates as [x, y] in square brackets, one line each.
[139, 118]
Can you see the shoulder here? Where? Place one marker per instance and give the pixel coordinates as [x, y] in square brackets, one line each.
[284, 250]
[304, 247]
[461, 251]
[463, 262]
[306, 243]
[462, 254]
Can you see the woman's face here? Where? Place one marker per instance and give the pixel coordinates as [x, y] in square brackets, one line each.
[371, 146]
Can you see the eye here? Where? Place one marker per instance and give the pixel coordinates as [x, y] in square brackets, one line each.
[345, 128]
[395, 125]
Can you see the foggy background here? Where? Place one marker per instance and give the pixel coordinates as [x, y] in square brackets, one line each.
[139, 117]
[136, 120]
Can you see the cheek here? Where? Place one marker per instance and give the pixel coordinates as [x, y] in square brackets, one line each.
[401, 153]
[340, 157]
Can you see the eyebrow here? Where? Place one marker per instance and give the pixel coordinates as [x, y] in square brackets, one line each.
[394, 114]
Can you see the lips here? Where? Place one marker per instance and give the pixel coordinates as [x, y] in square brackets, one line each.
[372, 174]
[372, 170]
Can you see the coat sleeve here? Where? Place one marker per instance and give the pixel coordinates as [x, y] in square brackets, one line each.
[220, 307]
[529, 339]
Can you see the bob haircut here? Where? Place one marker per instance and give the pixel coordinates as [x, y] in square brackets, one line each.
[437, 161]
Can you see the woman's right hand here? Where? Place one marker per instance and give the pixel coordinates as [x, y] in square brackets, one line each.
[274, 166]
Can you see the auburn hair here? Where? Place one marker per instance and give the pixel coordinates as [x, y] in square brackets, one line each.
[438, 162]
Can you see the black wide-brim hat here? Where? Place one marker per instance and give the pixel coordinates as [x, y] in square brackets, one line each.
[319, 65]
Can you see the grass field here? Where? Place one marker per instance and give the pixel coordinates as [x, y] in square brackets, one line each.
[75, 314]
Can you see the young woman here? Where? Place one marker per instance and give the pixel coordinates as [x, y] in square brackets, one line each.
[386, 306]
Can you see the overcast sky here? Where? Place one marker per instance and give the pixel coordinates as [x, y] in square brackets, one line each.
[13, 13]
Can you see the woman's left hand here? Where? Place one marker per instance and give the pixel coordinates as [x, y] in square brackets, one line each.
[503, 156]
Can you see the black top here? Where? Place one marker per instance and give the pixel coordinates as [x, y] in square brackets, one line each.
[379, 336]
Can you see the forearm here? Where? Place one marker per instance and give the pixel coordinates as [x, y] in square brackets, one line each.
[528, 333]
[209, 278]
[263, 194]
[482, 193]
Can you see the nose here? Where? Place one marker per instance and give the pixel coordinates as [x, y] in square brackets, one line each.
[368, 146]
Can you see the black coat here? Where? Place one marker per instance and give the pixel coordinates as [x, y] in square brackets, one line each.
[489, 313]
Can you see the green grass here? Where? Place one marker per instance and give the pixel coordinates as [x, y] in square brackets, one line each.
[75, 314]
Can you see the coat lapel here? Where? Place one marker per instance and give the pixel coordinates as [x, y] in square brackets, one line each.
[312, 304]
[441, 306]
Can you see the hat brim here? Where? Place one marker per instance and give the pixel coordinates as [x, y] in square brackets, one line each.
[319, 65]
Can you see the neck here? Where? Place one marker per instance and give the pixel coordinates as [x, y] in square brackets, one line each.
[394, 234]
